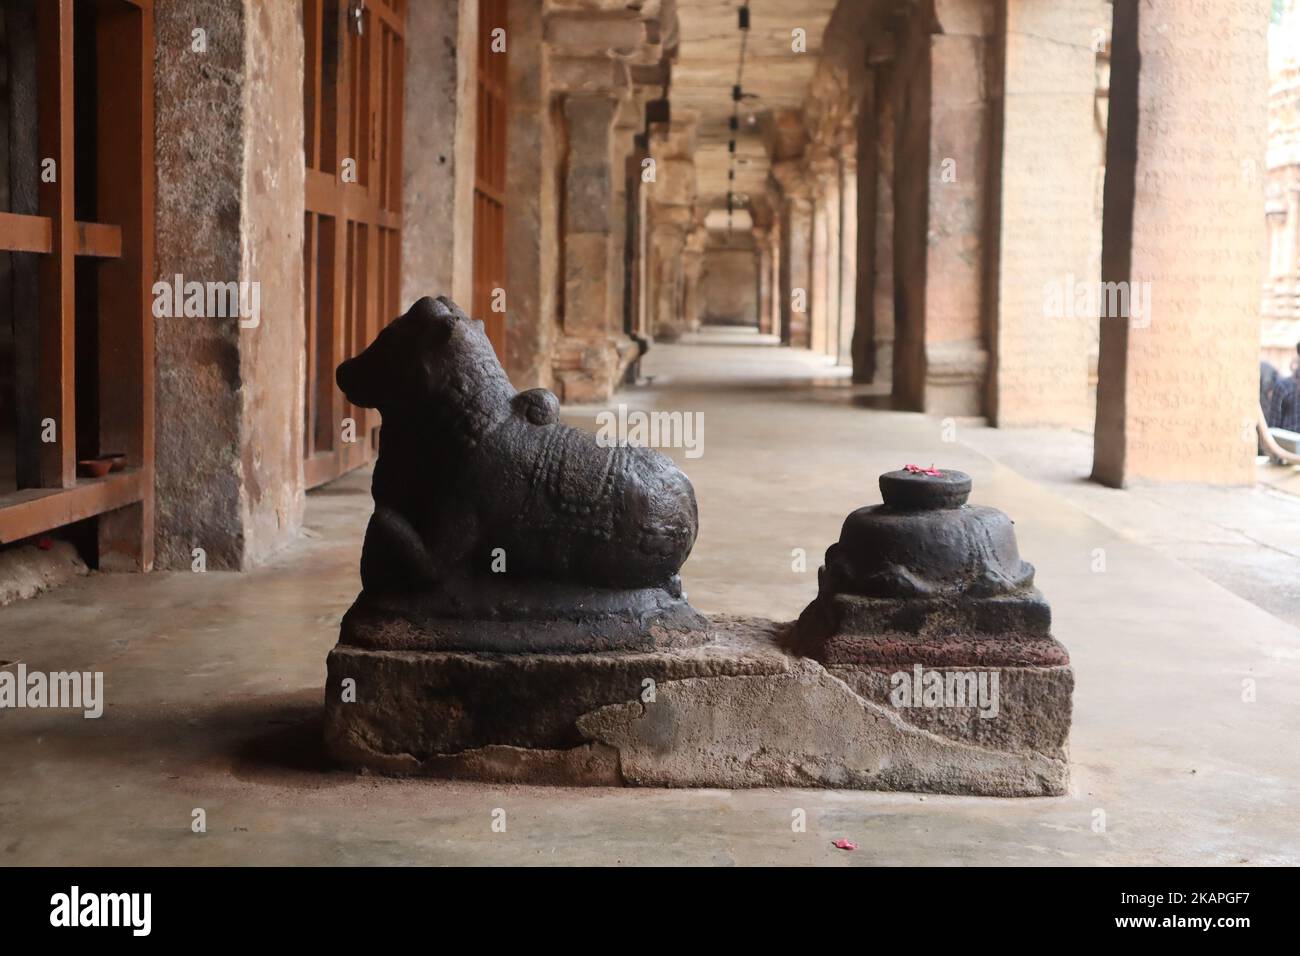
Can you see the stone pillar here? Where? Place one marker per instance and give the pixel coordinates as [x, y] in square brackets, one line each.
[944, 138]
[437, 168]
[590, 357]
[532, 210]
[692, 268]
[1179, 375]
[882, 249]
[820, 254]
[826, 254]
[666, 276]
[629, 115]
[634, 237]
[957, 167]
[847, 319]
[763, 275]
[670, 214]
[230, 191]
[593, 62]
[1047, 231]
[774, 243]
[796, 255]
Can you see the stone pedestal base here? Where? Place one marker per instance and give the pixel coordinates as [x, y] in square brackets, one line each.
[735, 710]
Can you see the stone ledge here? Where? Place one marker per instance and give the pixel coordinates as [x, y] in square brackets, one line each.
[738, 711]
[30, 570]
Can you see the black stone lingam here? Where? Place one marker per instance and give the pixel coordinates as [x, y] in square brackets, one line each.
[925, 567]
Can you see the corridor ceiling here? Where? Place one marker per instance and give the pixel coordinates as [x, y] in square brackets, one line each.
[775, 77]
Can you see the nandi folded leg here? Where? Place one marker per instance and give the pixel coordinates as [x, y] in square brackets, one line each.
[393, 558]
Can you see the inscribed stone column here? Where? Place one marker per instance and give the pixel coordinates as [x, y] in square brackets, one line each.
[848, 163]
[1179, 382]
[1048, 175]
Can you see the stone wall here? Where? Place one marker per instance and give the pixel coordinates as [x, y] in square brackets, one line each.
[729, 284]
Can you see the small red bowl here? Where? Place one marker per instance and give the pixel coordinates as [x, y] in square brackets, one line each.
[94, 467]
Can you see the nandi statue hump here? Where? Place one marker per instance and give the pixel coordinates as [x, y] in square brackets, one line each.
[495, 525]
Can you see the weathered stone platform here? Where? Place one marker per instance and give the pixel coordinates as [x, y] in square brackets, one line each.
[737, 709]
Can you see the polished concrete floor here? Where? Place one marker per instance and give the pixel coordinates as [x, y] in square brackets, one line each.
[214, 682]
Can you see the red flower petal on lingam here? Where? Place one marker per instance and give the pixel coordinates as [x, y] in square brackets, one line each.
[932, 471]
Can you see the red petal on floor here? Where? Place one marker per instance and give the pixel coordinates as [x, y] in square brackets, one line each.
[844, 845]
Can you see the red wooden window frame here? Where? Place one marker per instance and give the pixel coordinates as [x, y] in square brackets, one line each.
[122, 242]
[352, 102]
[490, 175]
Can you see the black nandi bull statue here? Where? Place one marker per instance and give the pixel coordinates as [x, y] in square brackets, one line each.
[487, 509]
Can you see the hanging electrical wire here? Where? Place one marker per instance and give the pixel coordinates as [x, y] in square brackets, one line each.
[737, 94]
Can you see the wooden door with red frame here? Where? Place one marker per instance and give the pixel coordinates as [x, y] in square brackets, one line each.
[352, 99]
[490, 174]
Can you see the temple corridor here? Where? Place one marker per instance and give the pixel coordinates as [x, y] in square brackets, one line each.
[214, 680]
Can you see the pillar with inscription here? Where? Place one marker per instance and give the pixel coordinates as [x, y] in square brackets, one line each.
[1182, 246]
[1050, 147]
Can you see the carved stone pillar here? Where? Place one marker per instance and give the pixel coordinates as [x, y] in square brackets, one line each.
[592, 354]
[598, 100]
[1179, 377]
